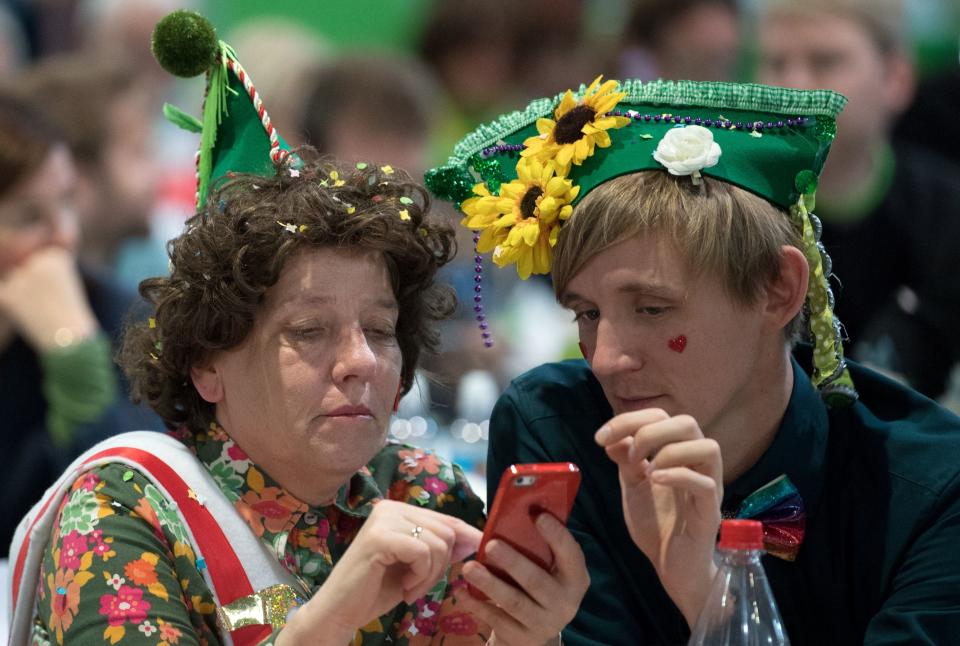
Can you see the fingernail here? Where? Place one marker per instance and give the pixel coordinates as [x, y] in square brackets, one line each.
[602, 435]
[546, 522]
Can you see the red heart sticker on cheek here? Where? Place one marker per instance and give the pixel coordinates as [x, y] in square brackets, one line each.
[677, 344]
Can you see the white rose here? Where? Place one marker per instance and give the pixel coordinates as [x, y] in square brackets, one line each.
[687, 150]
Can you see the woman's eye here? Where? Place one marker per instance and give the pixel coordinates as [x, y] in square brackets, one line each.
[306, 333]
[586, 315]
[382, 333]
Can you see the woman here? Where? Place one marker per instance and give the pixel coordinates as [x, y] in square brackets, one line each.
[291, 324]
[60, 392]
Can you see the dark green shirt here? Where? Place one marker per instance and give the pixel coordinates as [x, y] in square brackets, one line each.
[880, 563]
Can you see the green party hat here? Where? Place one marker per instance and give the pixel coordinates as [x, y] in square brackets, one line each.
[236, 133]
[518, 179]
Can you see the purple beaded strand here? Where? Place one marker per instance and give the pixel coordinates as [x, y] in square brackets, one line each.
[478, 293]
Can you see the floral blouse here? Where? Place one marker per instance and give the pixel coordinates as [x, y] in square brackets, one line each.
[119, 567]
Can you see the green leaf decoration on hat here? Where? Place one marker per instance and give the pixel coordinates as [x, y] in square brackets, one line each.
[236, 132]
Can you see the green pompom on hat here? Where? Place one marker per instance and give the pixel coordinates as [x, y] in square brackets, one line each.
[236, 132]
[519, 178]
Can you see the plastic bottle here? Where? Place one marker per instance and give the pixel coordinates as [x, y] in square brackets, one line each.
[740, 610]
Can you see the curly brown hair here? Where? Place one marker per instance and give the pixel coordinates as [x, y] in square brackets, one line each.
[235, 248]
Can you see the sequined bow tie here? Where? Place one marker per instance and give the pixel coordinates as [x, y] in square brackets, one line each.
[779, 507]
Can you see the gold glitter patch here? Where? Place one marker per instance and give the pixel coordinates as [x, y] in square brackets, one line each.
[266, 607]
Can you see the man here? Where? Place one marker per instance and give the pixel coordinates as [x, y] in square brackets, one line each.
[689, 288]
[698, 40]
[889, 211]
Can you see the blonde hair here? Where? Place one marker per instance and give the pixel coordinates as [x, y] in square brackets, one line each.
[718, 227]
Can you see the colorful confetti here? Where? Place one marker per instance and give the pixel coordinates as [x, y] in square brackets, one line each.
[404, 215]
[362, 165]
[127, 475]
[388, 169]
[406, 200]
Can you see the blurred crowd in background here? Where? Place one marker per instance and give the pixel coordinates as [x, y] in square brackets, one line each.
[400, 81]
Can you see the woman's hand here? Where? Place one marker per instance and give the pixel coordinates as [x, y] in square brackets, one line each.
[545, 602]
[44, 298]
[671, 479]
[399, 554]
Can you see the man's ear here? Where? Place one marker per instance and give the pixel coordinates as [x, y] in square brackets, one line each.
[900, 84]
[786, 294]
[207, 381]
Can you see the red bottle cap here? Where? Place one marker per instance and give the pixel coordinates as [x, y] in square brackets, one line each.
[741, 535]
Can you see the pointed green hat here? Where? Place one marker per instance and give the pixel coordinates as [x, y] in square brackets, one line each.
[236, 133]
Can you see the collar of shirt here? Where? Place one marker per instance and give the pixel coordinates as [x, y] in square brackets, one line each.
[224, 458]
[798, 449]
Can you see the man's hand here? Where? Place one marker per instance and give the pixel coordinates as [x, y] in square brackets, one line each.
[671, 480]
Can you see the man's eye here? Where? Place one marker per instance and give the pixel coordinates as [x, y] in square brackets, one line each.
[586, 315]
[651, 311]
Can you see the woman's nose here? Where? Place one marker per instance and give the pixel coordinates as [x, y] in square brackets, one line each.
[355, 358]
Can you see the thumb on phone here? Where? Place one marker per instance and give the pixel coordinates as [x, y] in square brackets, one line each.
[466, 542]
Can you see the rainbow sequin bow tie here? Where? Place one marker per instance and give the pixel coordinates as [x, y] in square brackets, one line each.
[779, 507]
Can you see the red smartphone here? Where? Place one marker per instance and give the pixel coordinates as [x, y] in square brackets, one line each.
[526, 491]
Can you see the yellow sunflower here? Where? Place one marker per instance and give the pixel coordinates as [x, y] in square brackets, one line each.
[521, 224]
[578, 127]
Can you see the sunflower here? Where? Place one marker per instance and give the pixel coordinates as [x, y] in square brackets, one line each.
[522, 222]
[578, 128]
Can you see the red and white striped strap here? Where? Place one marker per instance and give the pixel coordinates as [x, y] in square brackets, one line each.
[227, 573]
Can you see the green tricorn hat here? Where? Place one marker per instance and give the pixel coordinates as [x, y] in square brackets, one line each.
[519, 178]
[236, 133]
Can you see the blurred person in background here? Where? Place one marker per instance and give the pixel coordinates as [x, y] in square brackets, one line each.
[120, 29]
[60, 391]
[470, 46]
[560, 55]
[889, 210]
[371, 108]
[102, 107]
[696, 40]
